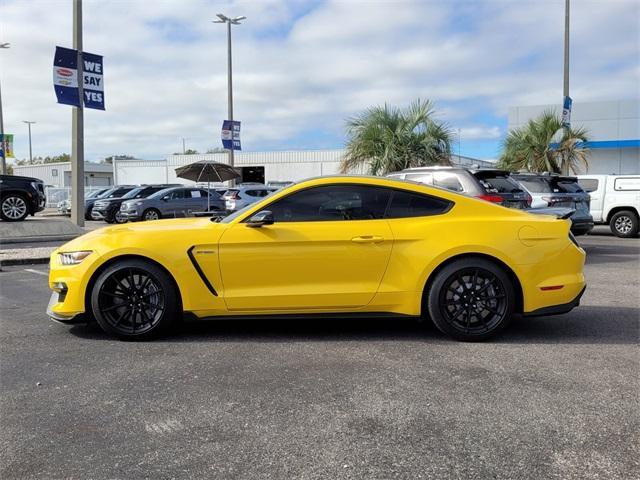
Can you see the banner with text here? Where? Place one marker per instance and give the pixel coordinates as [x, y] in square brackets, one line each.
[231, 135]
[65, 78]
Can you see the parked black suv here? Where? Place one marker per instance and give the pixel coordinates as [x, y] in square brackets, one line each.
[115, 192]
[491, 185]
[108, 209]
[20, 196]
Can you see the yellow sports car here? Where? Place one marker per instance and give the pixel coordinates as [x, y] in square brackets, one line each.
[329, 245]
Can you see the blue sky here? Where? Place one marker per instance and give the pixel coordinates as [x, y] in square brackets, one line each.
[302, 67]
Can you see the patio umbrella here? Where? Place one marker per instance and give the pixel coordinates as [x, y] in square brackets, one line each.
[207, 171]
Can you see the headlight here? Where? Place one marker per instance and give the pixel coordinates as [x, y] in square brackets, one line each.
[137, 204]
[73, 258]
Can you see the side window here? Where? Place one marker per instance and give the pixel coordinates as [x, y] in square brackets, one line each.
[447, 180]
[589, 184]
[177, 194]
[195, 194]
[426, 178]
[332, 202]
[406, 204]
[252, 193]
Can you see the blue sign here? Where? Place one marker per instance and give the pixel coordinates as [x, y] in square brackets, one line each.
[566, 111]
[65, 78]
[92, 87]
[231, 135]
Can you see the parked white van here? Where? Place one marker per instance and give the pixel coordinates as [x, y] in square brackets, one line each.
[615, 199]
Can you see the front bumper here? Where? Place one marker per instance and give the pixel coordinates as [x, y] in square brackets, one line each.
[61, 317]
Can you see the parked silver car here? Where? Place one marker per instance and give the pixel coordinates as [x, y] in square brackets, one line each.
[170, 203]
[245, 194]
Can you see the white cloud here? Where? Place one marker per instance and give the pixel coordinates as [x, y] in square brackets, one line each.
[301, 68]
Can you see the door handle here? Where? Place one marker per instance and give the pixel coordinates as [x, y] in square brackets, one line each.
[368, 239]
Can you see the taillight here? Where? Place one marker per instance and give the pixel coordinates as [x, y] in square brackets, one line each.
[552, 200]
[233, 195]
[529, 200]
[491, 198]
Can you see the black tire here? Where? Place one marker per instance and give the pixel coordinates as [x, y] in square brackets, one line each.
[14, 207]
[624, 224]
[467, 316]
[151, 214]
[119, 219]
[134, 300]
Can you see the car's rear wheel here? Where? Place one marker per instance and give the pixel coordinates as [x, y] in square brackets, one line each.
[151, 214]
[13, 208]
[471, 299]
[624, 224]
[134, 299]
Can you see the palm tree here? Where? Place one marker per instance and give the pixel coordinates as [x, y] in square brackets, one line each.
[387, 139]
[539, 146]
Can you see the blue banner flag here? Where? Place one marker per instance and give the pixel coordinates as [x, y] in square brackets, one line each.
[231, 135]
[566, 111]
[65, 78]
[92, 87]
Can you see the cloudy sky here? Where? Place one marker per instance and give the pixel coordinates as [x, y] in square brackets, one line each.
[302, 66]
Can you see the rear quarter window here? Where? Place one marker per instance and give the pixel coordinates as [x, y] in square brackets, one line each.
[406, 204]
[589, 184]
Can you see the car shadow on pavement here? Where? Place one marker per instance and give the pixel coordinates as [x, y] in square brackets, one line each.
[601, 254]
[585, 325]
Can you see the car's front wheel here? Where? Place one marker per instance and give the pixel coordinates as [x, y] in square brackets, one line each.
[471, 299]
[151, 214]
[624, 224]
[134, 299]
[13, 208]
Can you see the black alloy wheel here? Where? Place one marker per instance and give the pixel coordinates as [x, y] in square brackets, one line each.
[134, 299]
[471, 299]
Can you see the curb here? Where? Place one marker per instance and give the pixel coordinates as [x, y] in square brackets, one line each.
[23, 261]
[43, 238]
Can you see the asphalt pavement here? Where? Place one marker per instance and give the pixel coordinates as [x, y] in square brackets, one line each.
[553, 397]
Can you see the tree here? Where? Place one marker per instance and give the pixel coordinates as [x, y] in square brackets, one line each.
[387, 139]
[543, 145]
[216, 150]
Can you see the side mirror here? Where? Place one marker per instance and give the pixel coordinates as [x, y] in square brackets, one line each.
[264, 217]
[165, 198]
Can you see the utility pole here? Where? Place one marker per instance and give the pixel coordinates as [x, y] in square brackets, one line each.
[3, 144]
[565, 90]
[235, 21]
[30, 150]
[77, 126]
[183, 149]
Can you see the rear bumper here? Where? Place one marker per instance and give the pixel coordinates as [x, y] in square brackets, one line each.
[557, 309]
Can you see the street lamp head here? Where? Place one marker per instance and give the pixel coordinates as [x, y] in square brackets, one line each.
[28, 121]
[237, 19]
[223, 18]
[4, 45]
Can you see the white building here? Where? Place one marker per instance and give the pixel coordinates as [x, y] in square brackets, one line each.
[260, 167]
[59, 174]
[613, 128]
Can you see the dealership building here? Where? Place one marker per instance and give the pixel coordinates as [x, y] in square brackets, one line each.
[262, 167]
[613, 131]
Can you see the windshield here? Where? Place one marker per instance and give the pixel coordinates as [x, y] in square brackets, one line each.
[107, 193]
[500, 184]
[550, 184]
[132, 193]
[161, 193]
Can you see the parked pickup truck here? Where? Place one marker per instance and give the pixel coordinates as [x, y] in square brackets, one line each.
[615, 200]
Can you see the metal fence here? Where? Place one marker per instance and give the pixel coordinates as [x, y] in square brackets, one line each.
[57, 194]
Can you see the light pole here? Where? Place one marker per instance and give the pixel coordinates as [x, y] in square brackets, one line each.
[2, 145]
[229, 21]
[565, 89]
[30, 151]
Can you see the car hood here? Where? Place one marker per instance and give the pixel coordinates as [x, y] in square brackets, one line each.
[139, 234]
